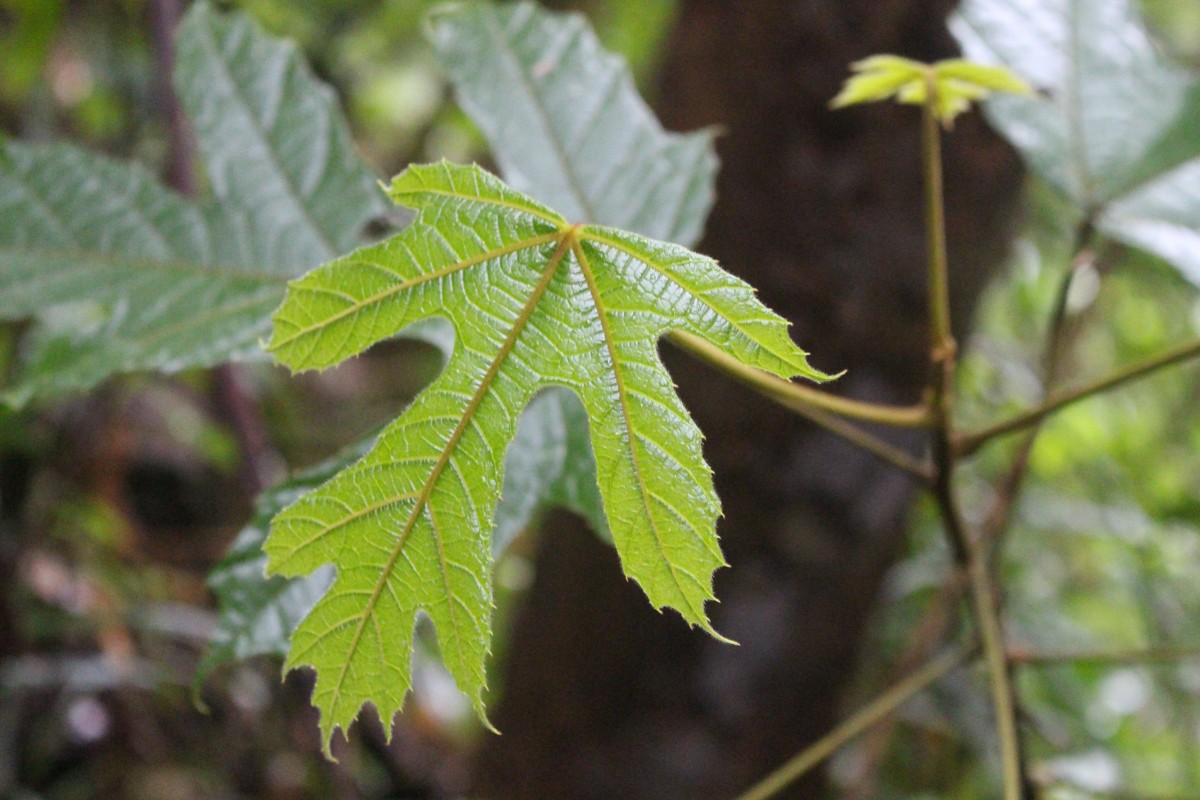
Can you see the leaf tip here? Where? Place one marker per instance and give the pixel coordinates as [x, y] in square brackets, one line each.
[707, 627]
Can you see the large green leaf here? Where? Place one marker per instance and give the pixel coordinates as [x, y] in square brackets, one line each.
[550, 461]
[165, 283]
[566, 123]
[548, 464]
[1116, 128]
[535, 302]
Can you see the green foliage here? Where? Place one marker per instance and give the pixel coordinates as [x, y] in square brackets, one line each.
[1115, 128]
[567, 125]
[535, 301]
[957, 84]
[166, 283]
[548, 464]
[550, 461]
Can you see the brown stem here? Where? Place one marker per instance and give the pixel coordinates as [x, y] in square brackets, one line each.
[877, 709]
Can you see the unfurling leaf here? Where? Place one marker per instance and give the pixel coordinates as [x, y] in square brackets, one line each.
[535, 302]
[957, 83]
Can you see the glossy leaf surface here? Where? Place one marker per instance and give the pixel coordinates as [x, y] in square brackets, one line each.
[535, 302]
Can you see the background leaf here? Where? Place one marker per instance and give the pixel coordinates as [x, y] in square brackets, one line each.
[535, 302]
[167, 283]
[566, 124]
[1117, 130]
[1116, 112]
[277, 152]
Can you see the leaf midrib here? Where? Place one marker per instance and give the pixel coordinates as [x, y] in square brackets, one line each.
[566, 239]
[623, 399]
[354, 308]
[292, 192]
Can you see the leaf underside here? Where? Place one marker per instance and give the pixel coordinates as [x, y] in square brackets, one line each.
[550, 461]
[535, 302]
[566, 123]
[165, 283]
[1115, 129]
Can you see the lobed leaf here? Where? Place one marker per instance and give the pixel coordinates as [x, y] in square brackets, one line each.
[550, 461]
[535, 302]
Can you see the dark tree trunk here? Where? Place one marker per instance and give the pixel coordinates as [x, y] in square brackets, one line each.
[605, 698]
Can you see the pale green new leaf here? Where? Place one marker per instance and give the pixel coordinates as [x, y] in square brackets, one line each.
[958, 83]
[535, 302]
[566, 124]
[166, 283]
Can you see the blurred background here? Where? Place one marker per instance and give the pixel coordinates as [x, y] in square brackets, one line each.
[114, 506]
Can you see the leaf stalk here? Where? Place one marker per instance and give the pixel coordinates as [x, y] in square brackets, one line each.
[797, 397]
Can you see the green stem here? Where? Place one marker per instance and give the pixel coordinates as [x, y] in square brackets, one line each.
[968, 443]
[797, 397]
[935, 224]
[863, 719]
[1148, 655]
[943, 356]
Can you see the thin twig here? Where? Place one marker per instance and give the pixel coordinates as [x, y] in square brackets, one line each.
[870, 714]
[968, 443]
[1149, 655]
[885, 451]
[931, 630]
